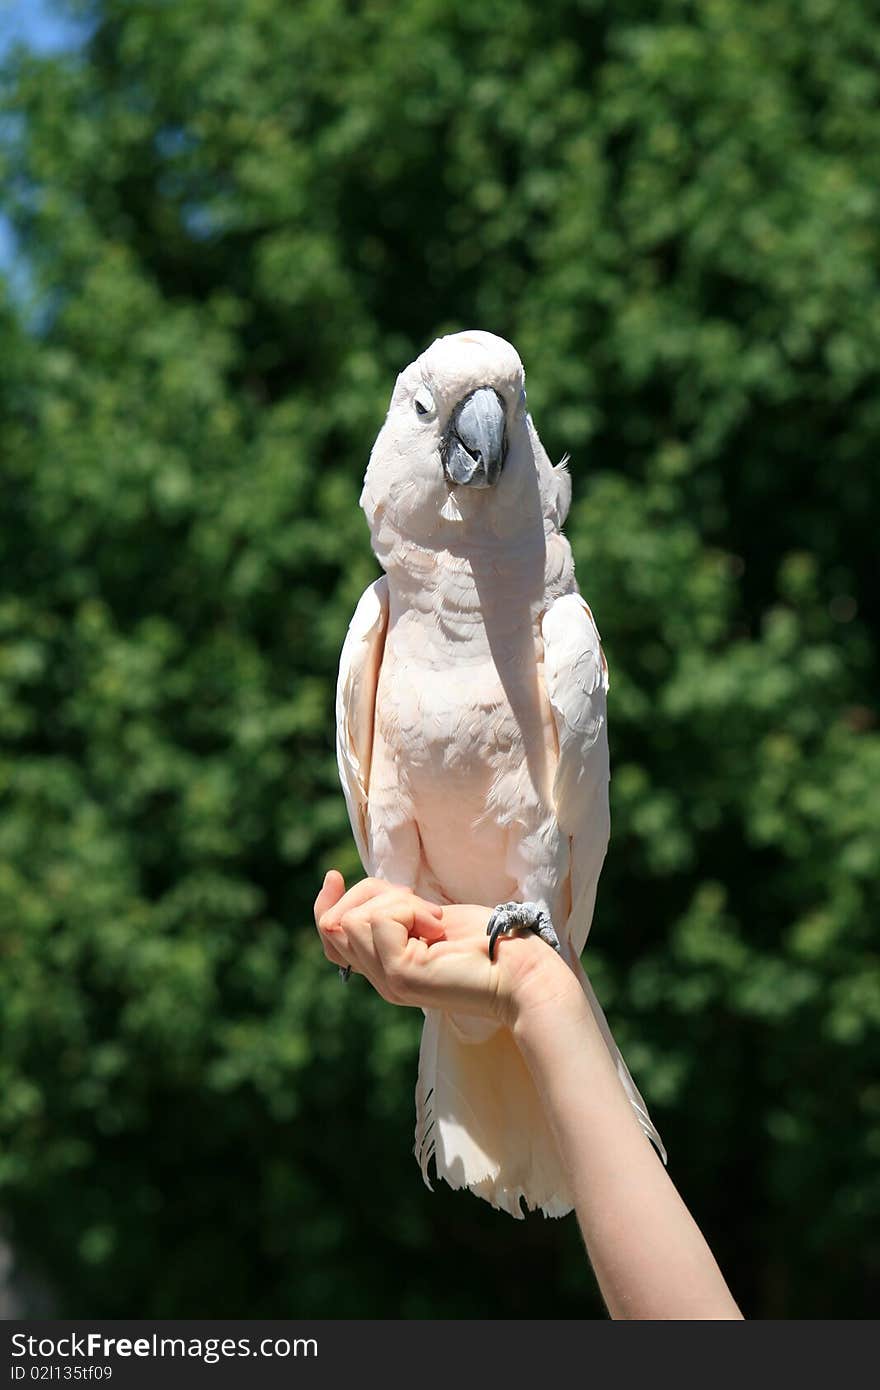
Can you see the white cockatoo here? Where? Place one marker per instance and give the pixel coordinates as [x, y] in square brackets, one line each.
[471, 733]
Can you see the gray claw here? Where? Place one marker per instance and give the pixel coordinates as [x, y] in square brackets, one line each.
[510, 916]
[344, 973]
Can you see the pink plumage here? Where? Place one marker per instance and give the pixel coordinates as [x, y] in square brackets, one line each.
[471, 728]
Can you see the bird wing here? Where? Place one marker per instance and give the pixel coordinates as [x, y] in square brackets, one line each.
[576, 680]
[359, 666]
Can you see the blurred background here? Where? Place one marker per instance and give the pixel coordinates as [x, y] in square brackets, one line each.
[227, 224]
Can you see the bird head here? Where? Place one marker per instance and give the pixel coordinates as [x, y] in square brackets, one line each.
[457, 453]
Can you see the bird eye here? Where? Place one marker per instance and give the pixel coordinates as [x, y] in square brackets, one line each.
[423, 401]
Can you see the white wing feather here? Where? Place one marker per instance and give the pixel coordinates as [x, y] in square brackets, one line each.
[576, 678]
[359, 667]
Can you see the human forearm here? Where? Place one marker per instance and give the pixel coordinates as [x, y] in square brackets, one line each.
[649, 1256]
[650, 1259]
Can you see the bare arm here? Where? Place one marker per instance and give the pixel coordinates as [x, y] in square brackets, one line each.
[647, 1251]
[648, 1254]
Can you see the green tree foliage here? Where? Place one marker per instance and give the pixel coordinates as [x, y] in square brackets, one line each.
[241, 218]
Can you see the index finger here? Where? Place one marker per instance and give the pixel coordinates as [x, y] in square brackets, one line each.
[361, 893]
[332, 889]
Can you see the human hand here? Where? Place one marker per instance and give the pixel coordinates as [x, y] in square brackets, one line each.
[416, 953]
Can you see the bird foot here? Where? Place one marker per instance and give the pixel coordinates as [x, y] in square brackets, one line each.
[345, 973]
[509, 917]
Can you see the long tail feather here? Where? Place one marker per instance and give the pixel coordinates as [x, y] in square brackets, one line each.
[479, 1116]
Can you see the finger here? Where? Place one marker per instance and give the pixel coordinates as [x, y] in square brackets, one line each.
[360, 892]
[393, 948]
[427, 921]
[421, 918]
[368, 889]
[333, 943]
[353, 936]
[332, 889]
[417, 916]
[332, 953]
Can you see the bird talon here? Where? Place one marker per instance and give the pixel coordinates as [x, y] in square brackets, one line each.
[509, 917]
[344, 973]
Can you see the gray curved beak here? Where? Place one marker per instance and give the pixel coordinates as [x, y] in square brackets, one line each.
[475, 443]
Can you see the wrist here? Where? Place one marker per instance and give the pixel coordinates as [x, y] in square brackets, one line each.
[544, 986]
